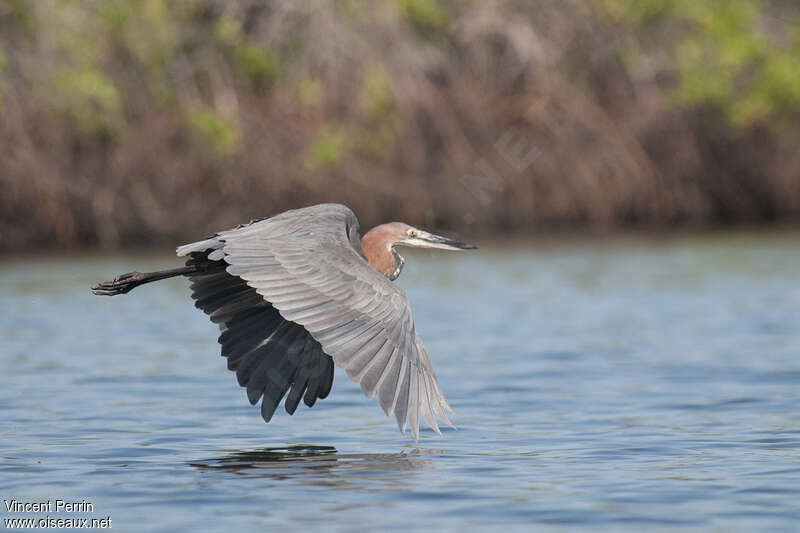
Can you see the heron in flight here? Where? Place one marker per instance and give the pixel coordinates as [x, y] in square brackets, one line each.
[295, 293]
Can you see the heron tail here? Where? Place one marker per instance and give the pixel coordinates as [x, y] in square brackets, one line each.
[125, 283]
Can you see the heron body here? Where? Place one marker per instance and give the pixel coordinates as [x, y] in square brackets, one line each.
[296, 293]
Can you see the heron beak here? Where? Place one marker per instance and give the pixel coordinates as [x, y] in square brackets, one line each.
[423, 239]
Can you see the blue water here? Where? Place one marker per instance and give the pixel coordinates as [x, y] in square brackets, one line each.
[614, 385]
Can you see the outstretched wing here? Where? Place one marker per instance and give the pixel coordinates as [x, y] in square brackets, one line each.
[308, 264]
[268, 353]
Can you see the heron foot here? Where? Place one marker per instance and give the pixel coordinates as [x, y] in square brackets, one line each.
[120, 284]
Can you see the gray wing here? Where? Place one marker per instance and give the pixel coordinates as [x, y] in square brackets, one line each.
[268, 353]
[308, 264]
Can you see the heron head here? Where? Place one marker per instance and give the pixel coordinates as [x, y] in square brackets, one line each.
[378, 245]
[417, 238]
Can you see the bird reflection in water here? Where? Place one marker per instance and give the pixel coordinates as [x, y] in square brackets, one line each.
[317, 465]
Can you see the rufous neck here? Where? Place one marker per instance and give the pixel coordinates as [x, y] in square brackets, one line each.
[377, 246]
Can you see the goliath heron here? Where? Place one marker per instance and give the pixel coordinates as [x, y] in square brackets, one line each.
[295, 293]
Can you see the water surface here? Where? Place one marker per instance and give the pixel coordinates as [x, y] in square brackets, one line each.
[618, 385]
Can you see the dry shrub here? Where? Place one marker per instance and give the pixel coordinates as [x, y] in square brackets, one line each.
[128, 125]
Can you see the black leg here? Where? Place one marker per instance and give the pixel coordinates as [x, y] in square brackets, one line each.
[127, 282]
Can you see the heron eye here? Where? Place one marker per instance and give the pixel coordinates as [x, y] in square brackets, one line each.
[411, 233]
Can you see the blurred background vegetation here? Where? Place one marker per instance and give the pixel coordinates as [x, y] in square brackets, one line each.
[150, 122]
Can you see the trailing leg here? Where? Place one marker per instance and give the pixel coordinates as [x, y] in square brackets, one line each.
[127, 282]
